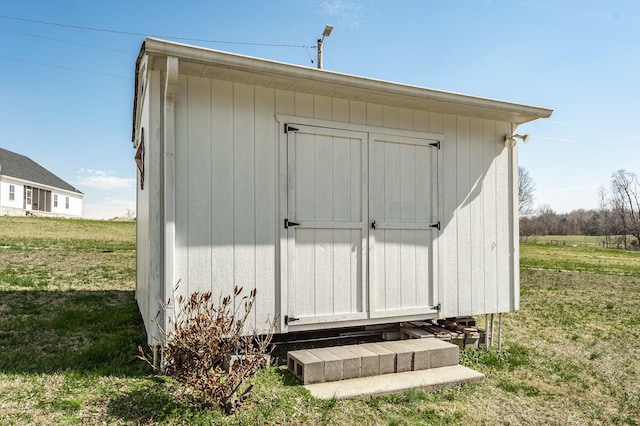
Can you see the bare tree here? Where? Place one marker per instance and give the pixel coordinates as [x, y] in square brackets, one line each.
[526, 188]
[624, 201]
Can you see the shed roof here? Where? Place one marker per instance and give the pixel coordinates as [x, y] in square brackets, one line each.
[211, 63]
[21, 167]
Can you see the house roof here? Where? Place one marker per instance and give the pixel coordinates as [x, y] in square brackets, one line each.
[21, 167]
[211, 63]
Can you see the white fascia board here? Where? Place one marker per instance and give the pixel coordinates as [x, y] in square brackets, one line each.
[357, 86]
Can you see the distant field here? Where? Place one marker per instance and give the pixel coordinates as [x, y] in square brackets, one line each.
[69, 329]
[564, 240]
[574, 240]
[585, 259]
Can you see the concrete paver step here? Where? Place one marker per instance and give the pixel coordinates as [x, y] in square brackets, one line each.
[430, 380]
[347, 362]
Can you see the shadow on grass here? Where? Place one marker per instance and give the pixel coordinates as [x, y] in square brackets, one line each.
[87, 332]
[151, 404]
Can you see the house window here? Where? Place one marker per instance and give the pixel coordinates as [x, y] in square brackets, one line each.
[66, 202]
[55, 200]
[12, 192]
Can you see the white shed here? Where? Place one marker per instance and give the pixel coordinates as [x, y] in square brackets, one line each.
[344, 200]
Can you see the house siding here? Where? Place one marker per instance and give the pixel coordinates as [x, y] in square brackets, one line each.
[15, 207]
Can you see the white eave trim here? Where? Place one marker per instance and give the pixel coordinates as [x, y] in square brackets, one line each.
[11, 179]
[350, 86]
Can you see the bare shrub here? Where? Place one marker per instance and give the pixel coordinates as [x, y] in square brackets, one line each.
[208, 351]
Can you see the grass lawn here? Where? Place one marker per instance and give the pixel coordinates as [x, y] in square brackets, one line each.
[69, 329]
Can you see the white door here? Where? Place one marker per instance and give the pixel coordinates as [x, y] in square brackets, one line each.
[402, 214]
[28, 198]
[326, 225]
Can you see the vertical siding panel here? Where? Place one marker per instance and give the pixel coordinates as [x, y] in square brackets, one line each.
[449, 235]
[408, 213]
[304, 105]
[305, 270]
[181, 269]
[478, 246]
[323, 262]
[502, 219]
[357, 112]
[340, 110]
[155, 293]
[390, 117]
[199, 184]
[359, 211]
[374, 115]
[244, 189]
[405, 119]
[222, 187]
[324, 210]
[285, 102]
[376, 212]
[322, 107]
[143, 282]
[392, 212]
[324, 201]
[424, 212]
[491, 146]
[463, 216]
[303, 295]
[421, 121]
[342, 179]
[266, 177]
[343, 280]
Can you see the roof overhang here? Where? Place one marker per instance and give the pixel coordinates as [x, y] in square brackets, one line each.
[24, 182]
[201, 62]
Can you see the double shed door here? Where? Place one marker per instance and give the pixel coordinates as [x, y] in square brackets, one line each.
[360, 225]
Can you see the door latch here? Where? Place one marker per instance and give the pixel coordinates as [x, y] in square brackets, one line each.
[288, 224]
[288, 319]
[373, 225]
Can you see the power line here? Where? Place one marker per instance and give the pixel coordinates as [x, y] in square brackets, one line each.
[65, 41]
[107, 30]
[64, 68]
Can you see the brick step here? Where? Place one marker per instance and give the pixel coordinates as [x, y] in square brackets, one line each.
[338, 363]
[431, 380]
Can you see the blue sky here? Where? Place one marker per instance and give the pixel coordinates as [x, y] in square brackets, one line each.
[66, 92]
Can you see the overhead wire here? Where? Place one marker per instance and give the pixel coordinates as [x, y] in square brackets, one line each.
[65, 41]
[64, 68]
[129, 33]
[112, 31]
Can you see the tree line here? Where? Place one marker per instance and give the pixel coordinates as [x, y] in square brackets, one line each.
[617, 219]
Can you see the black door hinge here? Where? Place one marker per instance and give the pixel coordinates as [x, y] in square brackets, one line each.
[288, 224]
[435, 144]
[288, 128]
[437, 307]
[435, 225]
[288, 319]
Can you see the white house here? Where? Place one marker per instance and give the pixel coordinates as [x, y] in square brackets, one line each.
[28, 188]
[344, 200]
